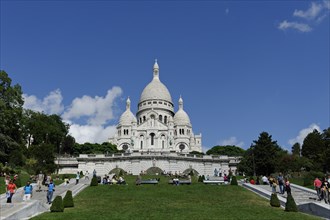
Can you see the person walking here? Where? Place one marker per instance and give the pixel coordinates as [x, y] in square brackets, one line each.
[39, 181]
[77, 177]
[28, 189]
[317, 186]
[280, 181]
[50, 191]
[87, 175]
[287, 186]
[11, 190]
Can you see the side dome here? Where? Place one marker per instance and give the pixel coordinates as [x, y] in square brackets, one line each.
[155, 89]
[181, 118]
[127, 118]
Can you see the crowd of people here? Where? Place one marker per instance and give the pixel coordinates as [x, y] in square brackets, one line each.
[322, 186]
[41, 179]
[113, 179]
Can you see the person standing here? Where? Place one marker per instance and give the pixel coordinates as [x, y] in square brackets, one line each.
[86, 175]
[77, 177]
[50, 191]
[317, 186]
[280, 181]
[27, 191]
[11, 190]
[287, 186]
[40, 180]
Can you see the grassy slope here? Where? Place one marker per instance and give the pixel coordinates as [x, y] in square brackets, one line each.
[165, 201]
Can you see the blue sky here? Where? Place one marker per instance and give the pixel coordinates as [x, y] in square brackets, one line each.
[242, 67]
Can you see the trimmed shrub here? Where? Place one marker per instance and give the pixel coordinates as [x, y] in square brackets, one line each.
[274, 201]
[290, 205]
[308, 181]
[233, 181]
[203, 178]
[200, 179]
[57, 205]
[68, 199]
[94, 181]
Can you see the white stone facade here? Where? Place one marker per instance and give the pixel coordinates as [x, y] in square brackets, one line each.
[137, 162]
[156, 127]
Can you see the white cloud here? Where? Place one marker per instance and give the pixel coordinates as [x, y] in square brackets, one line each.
[303, 133]
[91, 133]
[311, 13]
[294, 25]
[98, 109]
[51, 104]
[231, 141]
[313, 16]
[95, 111]
[326, 4]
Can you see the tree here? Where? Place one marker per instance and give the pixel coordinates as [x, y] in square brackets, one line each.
[296, 149]
[314, 148]
[44, 155]
[262, 157]
[11, 107]
[226, 150]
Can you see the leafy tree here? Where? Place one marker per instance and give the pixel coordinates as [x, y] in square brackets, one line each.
[262, 157]
[226, 150]
[44, 155]
[11, 107]
[296, 149]
[314, 148]
[68, 145]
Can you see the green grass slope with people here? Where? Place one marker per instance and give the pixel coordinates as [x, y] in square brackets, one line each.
[165, 201]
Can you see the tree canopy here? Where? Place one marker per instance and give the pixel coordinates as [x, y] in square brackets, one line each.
[228, 150]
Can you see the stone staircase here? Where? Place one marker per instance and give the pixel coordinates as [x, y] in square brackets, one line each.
[306, 199]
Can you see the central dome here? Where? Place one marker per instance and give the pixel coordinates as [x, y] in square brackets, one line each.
[156, 89]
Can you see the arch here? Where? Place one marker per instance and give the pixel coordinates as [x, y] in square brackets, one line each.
[189, 170]
[144, 118]
[154, 171]
[125, 146]
[117, 171]
[152, 138]
[160, 118]
[165, 119]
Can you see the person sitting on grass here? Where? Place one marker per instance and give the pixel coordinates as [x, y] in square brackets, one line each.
[121, 181]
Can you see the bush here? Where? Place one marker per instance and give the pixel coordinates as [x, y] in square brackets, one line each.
[18, 182]
[81, 173]
[68, 199]
[57, 205]
[290, 205]
[203, 178]
[200, 179]
[94, 181]
[233, 181]
[308, 181]
[274, 201]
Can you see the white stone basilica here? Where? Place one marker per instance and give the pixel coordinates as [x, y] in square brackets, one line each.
[156, 127]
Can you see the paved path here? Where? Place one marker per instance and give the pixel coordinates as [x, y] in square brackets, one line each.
[305, 198]
[19, 209]
[301, 195]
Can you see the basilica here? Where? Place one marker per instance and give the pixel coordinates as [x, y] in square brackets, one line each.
[156, 127]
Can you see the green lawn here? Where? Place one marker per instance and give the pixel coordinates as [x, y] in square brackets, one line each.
[163, 201]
